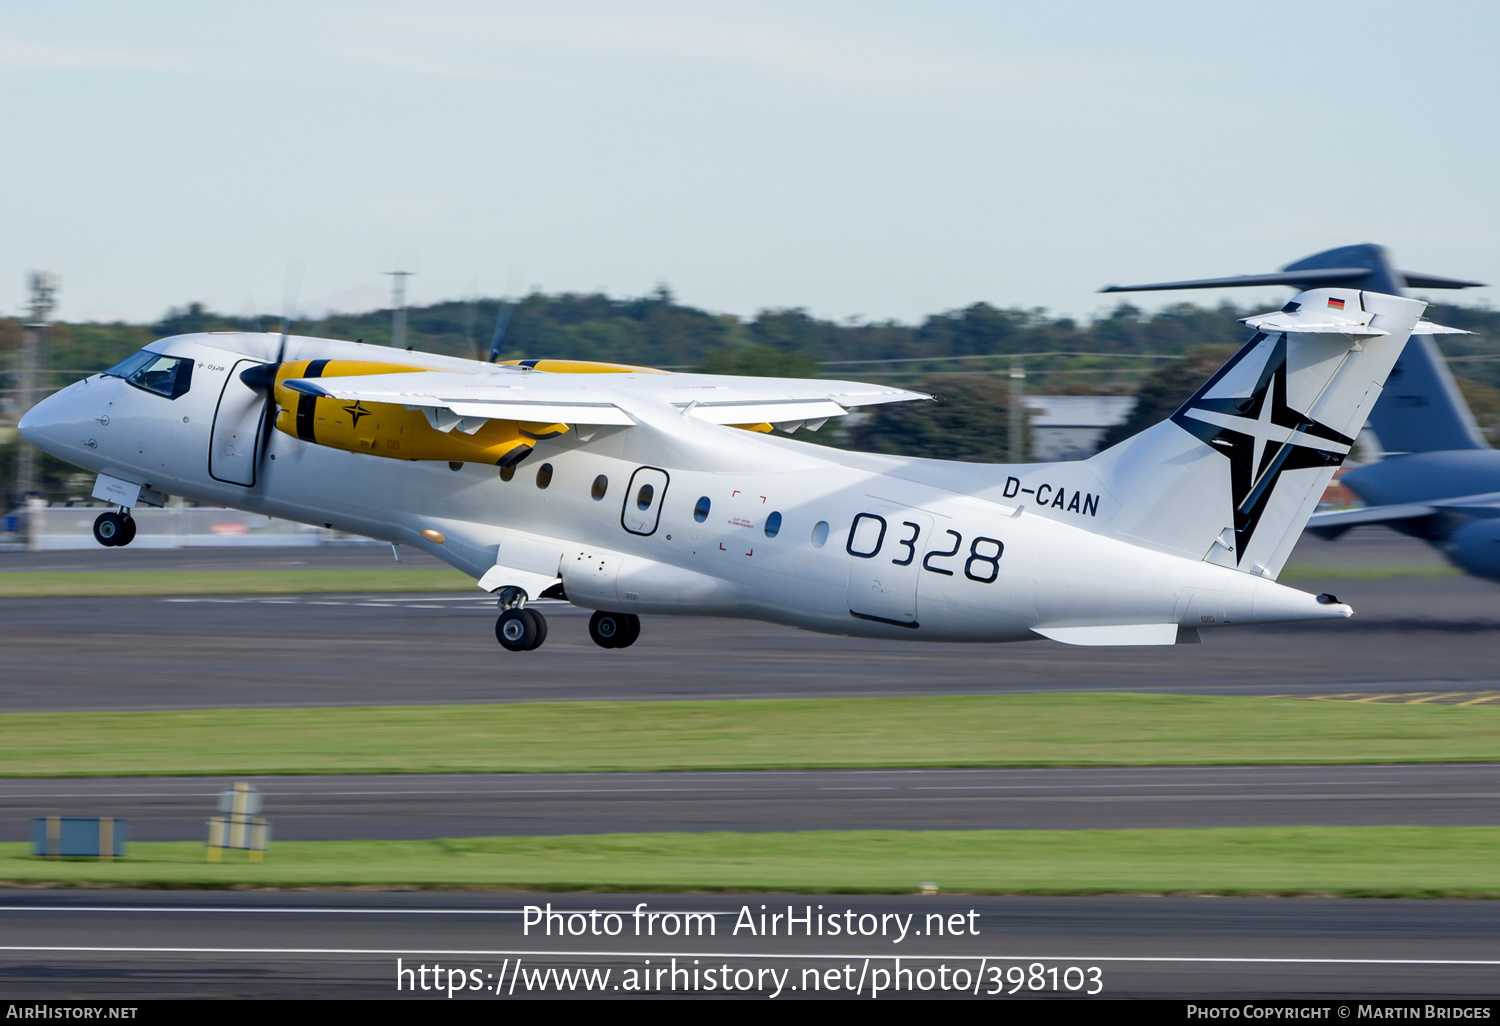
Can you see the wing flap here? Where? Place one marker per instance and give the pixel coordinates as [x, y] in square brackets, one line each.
[758, 412]
[542, 413]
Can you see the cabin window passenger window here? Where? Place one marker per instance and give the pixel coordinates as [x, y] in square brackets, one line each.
[601, 485]
[544, 475]
[643, 497]
[773, 525]
[506, 473]
[820, 534]
[700, 511]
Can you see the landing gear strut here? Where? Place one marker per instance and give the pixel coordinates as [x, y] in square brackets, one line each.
[614, 630]
[519, 629]
[114, 529]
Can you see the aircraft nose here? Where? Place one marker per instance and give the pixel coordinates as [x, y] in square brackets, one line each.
[53, 424]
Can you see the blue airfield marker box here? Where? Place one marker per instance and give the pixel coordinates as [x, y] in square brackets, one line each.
[69, 837]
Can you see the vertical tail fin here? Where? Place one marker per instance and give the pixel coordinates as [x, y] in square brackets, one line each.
[1423, 410]
[1233, 476]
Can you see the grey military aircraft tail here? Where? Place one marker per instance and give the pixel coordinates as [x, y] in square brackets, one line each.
[1440, 480]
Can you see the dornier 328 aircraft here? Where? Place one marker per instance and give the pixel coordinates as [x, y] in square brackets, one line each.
[630, 491]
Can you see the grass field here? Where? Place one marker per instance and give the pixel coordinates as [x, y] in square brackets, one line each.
[1414, 862]
[1295, 572]
[47, 584]
[958, 731]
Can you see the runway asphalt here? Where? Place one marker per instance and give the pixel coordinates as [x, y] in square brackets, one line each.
[1416, 636]
[134, 945]
[418, 807]
[1410, 634]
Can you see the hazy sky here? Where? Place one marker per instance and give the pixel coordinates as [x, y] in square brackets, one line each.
[869, 159]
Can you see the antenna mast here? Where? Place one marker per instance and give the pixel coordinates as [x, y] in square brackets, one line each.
[43, 288]
[398, 307]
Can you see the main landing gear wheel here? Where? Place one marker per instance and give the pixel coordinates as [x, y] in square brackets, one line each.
[614, 630]
[113, 529]
[520, 630]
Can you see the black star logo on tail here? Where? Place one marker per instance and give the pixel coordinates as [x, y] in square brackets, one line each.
[1260, 435]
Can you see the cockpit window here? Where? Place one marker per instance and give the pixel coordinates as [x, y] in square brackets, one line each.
[130, 364]
[170, 376]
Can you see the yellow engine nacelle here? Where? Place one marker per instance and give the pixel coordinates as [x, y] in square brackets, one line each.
[390, 429]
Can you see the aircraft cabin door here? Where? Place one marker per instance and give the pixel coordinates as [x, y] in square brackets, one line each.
[236, 430]
[885, 546]
[643, 499]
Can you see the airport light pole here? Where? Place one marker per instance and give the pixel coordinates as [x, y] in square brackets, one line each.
[43, 287]
[398, 307]
[1017, 429]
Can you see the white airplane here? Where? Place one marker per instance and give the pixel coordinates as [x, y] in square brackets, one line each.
[630, 491]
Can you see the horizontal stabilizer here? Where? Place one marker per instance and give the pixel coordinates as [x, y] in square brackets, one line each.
[1329, 313]
[1299, 279]
[1479, 510]
[1336, 522]
[1484, 506]
[1414, 280]
[1428, 328]
[1308, 326]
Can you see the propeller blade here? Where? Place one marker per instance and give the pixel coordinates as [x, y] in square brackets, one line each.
[501, 324]
[267, 426]
[262, 377]
[471, 320]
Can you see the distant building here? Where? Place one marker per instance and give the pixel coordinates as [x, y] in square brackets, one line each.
[1070, 427]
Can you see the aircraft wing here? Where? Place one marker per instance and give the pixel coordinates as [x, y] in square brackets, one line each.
[498, 396]
[1335, 523]
[603, 399]
[726, 399]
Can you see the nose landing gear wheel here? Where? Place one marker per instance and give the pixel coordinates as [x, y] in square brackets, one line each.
[111, 529]
[614, 630]
[520, 630]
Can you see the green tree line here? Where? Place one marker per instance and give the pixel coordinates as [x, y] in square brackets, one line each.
[960, 356]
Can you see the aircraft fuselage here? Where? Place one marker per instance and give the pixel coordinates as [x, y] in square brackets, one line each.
[676, 516]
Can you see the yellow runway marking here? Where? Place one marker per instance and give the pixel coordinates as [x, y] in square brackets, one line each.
[1406, 698]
